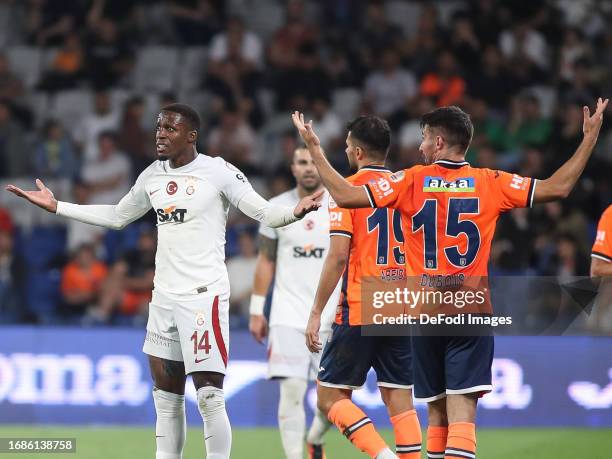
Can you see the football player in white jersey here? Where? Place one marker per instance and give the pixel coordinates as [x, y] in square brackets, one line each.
[187, 331]
[293, 255]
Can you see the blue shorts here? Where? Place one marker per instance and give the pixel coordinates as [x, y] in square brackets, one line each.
[348, 356]
[451, 365]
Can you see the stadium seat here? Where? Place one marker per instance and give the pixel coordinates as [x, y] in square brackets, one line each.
[345, 102]
[403, 14]
[71, 106]
[265, 18]
[26, 63]
[43, 246]
[43, 294]
[38, 102]
[193, 67]
[155, 68]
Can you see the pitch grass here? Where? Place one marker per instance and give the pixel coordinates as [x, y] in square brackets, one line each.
[139, 443]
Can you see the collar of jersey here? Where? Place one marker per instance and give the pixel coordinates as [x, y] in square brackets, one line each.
[374, 168]
[450, 164]
[184, 168]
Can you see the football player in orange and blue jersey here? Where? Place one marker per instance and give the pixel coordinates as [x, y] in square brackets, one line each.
[449, 210]
[364, 243]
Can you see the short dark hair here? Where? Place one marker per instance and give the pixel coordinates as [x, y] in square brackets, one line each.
[372, 133]
[456, 124]
[187, 112]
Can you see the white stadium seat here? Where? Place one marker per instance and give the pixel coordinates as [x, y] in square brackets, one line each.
[25, 63]
[155, 68]
[192, 68]
[70, 107]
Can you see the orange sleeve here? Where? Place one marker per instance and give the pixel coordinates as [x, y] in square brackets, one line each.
[340, 220]
[511, 190]
[386, 191]
[602, 248]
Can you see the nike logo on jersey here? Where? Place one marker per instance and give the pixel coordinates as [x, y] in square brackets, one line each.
[321, 369]
[200, 360]
[151, 193]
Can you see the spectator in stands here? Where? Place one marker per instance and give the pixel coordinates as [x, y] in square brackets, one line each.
[527, 126]
[233, 77]
[104, 181]
[375, 33]
[134, 139]
[13, 161]
[329, 127]
[233, 139]
[421, 48]
[465, 45]
[13, 92]
[285, 52]
[102, 119]
[109, 54]
[195, 21]
[49, 21]
[493, 83]
[573, 50]
[241, 269]
[306, 82]
[238, 44]
[388, 89]
[67, 67]
[581, 86]
[13, 272]
[521, 41]
[82, 280]
[411, 133]
[445, 84]
[127, 290]
[55, 155]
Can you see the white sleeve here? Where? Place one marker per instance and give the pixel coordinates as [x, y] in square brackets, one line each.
[233, 183]
[131, 207]
[271, 215]
[268, 232]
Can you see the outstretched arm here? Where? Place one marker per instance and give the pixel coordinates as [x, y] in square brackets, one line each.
[131, 207]
[274, 216]
[345, 194]
[560, 184]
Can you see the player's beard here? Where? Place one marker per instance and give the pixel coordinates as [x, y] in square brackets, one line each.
[163, 157]
[310, 187]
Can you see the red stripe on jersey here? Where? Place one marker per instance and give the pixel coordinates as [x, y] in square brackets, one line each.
[217, 330]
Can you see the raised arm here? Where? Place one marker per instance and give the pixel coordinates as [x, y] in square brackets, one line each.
[560, 184]
[264, 272]
[334, 266]
[345, 194]
[131, 207]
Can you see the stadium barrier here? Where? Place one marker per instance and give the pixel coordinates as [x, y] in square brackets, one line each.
[100, 376]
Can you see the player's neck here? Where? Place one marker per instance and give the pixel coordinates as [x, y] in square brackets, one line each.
[362, 164]
[183, 159]
[450, 155]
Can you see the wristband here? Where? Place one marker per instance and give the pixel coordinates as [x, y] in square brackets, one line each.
[256, 308]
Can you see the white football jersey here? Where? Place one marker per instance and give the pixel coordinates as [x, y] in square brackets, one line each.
[301, 251]
[191, 203]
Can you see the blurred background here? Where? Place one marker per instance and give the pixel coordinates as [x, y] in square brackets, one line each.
[82, 81]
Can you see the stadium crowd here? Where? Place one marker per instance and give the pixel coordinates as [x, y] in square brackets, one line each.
[82, 81]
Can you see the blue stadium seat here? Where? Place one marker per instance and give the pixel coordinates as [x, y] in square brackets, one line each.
[43, 245]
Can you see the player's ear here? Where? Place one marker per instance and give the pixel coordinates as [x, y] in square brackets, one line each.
[192, 136]
[439, 142]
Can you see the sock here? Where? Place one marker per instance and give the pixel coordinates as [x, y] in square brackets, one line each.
[436, 441]
[357, 427]
[170, 424]
[217, 429]
[408, 435]
[291, 416]
[320, 425]
[461, 441]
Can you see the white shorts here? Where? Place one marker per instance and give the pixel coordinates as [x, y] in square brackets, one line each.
[193, 329]
[288, 356]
